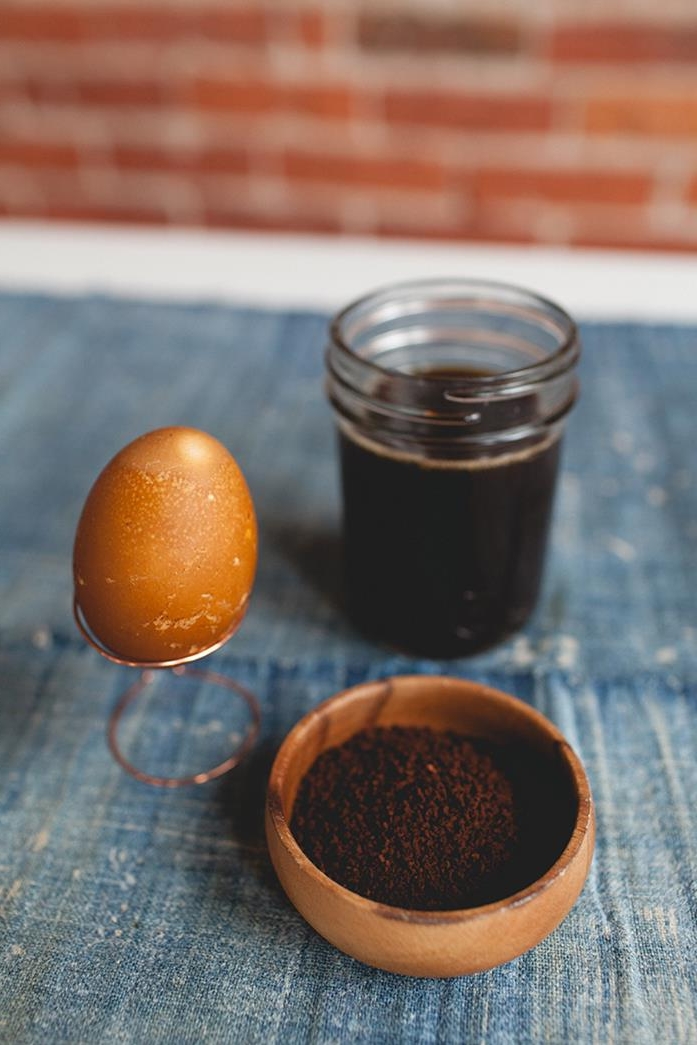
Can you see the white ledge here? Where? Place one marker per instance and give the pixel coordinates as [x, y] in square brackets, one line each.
[327, 272]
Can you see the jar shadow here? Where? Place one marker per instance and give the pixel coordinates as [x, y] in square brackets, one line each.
[315, 553]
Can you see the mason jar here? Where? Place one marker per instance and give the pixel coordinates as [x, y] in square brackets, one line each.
[450, 398]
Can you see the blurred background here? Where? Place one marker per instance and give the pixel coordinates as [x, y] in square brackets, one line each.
[557, 121]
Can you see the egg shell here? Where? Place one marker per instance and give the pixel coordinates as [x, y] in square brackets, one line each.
[166, 548]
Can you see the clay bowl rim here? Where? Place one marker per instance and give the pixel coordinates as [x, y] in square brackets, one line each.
[583, 821]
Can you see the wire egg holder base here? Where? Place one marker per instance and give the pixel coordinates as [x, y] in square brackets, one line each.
[148, 672]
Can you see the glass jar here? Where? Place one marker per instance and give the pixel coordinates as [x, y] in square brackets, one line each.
[450, 398]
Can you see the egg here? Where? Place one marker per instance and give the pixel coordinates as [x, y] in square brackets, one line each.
[166, 548]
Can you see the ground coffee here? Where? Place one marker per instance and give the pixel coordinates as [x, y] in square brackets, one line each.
[428, 820]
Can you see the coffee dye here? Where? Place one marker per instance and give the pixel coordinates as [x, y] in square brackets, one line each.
[445, 558]
[428, 820]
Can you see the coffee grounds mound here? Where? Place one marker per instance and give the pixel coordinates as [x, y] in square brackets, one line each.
[420, 819]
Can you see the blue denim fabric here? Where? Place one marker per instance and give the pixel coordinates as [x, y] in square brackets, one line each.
[134, 915]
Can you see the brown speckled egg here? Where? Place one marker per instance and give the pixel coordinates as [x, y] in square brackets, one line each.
[166, 547]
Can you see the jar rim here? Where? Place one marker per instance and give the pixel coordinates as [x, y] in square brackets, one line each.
[508, 298]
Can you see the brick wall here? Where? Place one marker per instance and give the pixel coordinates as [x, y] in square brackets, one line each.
[559, 121]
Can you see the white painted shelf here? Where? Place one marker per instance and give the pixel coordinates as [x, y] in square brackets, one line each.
[327, 272]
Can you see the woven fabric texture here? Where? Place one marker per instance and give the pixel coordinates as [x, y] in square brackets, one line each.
[129, 914]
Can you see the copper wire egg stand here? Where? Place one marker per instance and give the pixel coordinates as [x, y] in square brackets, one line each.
[179, 668]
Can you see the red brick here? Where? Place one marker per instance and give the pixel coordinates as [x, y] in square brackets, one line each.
[618, 43]
[38, 154]
[640, 238]
[255, 221]
[108, 213]
[242, 24]
[563, 186]
[626, 227]
[10, 90]
[233, 95]
[121, 92]
[429, 35]
[481, 227]
[467, 231]
[47, 91]
[312, 28]
[257, 96]
[92, 92]
[238, 24]
[40, 23]
[207, 161]
[332, 103]
[378, 172]
[669, 115]
[513, 112]
[293, 26]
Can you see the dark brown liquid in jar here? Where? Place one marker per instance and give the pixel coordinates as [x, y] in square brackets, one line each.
[444, 558]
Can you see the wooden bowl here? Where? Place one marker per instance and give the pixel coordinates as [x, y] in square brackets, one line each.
[429, 943]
